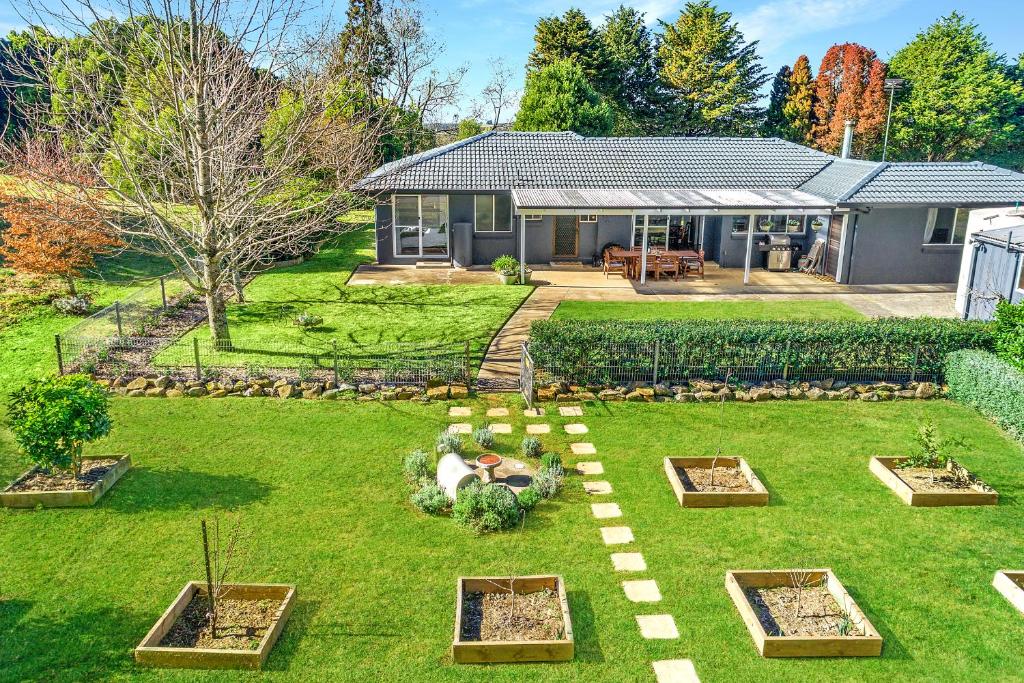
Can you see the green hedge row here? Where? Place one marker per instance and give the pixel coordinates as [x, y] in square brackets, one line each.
[989, 384]
[572, 349]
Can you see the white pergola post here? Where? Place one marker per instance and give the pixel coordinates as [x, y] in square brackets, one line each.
[750, 249]
[522, 248]
[643, 255]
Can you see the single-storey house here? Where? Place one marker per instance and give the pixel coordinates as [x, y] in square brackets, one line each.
[993, 263]
[553, 197]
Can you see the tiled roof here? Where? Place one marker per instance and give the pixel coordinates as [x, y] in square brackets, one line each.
[530, 198]
[505, 160]
[953, 183]
[841, 177]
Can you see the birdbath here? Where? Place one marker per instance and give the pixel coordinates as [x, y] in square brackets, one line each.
[488, 462]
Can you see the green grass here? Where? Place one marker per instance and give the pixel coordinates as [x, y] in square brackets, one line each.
[319, 486]
[719, 310]
[358, 316]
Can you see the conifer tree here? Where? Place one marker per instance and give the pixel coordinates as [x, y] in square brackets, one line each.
[798, 110]
[570, 37]
[559, 97]
[849, 87]
[633, 88]
[774, 118]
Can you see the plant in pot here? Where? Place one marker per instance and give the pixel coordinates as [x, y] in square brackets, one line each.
[765, 225]
[507, 268]
[52, 419]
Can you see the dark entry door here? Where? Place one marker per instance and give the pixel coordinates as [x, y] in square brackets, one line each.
[835, 233]
[566, 237]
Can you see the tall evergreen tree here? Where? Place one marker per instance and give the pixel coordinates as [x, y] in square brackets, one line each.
[365, 55]
[959, 101]
[21, 79]
[633, 87]
[798, 109]
[711, 74]
[559, 97]
[572, 37]
[774, 118]
[850, 86]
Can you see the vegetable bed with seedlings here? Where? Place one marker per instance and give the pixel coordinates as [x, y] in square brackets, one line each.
[801, 613]
[512, 619]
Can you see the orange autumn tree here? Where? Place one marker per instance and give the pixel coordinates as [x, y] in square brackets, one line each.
[849, 86]
[59, 237]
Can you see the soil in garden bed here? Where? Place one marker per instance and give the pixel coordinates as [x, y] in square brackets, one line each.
[920, 479]
[727, 480]
[505, 617]
[93, 470]
[819, 614]
[240, 626]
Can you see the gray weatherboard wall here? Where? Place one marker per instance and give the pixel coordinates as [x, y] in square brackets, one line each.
[996, 275]
[885, 246]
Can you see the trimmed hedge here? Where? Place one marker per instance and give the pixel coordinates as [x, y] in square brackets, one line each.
[576, 349]
[989, 384]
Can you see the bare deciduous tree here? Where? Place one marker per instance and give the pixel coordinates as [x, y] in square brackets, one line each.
[222, 110]
[499, 93]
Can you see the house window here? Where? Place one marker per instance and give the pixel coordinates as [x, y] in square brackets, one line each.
[421, 225]
[533, 217]
[738, 224]
[588, 218]
[946, 226]
[657, 231]
[492, 213]
[793, 225]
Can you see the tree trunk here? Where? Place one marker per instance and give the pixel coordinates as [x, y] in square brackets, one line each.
[236, 281]
[72, 290]
[216, 313]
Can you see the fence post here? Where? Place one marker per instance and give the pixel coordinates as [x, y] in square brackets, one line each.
[785, 368]
[334, 353]
[913, 369]
[163, 292]
[60, 355]
[195, 351]
[117, 314]
[657, 352]
[469, 379]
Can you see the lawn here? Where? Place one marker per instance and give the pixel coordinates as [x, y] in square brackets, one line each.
[359, 316]
[719, 309]
[319, 486]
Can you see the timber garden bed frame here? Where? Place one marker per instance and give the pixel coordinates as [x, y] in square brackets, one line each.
[711, 499]
[885, 469]
[66, 499]
[1010, 585]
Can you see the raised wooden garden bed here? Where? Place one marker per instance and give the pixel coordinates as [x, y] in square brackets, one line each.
[745, 588]
[64, 498]
[736, 484]
[973, 492]
[1011, 585]
[150, 652]
[468, 648]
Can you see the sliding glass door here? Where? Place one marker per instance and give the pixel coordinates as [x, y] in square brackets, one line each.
[421, 225]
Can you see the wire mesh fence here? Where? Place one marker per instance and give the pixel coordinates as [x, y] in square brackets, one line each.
[133, 314]
[391, 363]
[657, 362]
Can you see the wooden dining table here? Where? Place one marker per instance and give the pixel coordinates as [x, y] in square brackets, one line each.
[632, 258]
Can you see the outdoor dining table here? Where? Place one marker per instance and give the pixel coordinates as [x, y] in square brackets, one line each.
[631, 258]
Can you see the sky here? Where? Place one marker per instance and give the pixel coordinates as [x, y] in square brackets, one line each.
[474, 31]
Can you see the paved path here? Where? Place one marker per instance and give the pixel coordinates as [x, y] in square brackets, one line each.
[500, 367]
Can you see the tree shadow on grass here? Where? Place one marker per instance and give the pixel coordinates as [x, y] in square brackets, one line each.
[588, 644]
[144, 488]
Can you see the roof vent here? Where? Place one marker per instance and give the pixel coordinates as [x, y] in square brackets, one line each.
[848, 138]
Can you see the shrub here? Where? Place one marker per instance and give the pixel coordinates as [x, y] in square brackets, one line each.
[484, 437]
[417, 466]
[528, 498]
[552, 462]
[431, 499]
[989, 384]
[487, 507]
[306, 320]
[53, 418]
[547, 482]
[596, 352]
[505, 264]
[449, 442]
[1009, 333]
[531, 447]
[71, 305]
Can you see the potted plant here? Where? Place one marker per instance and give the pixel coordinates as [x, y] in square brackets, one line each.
[507, 268]
[52, 419]
[817, 224]
[793, 225]
[765, 224]
[526, 275]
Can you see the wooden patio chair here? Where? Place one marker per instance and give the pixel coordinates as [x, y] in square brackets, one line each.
[694, 265]
[666, 264]
[612, 264]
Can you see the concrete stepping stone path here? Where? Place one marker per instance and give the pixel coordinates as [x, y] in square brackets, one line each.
[538, 429]
[460, 428]
[497, 412]
[628, 562]
[583, 448]
[597, 488]
[576, 428]
[533, 412]
[589, 468]
[645, 590]
[616, 535]
[570, 411]
[675, 671]
[605, 510]
[459, 411]
[501, 428]
[657, 626]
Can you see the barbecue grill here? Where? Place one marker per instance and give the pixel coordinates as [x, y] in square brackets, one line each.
[780, 252]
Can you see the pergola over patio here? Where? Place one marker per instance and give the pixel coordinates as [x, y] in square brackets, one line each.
[632, 202]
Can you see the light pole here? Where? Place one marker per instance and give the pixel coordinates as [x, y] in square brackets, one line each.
[892, 85]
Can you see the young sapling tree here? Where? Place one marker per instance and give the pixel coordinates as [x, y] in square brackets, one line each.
[219, 562]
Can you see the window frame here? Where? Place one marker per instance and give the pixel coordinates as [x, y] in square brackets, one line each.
[932, 219]
[494, 215]
[533, 217]
[397, 227]
[588, 218]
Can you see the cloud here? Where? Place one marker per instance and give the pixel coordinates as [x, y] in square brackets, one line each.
[777, 22]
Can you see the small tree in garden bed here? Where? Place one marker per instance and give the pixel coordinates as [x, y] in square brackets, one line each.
[219, 561]
[52, 419]
[930, 454]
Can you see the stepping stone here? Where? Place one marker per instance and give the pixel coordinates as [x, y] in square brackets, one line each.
[616, 535]
[534, 412]
[597, 488]
[642, 591]
[586, 468]
[538, 429]
[460, 428]
[497, 412]
[570, 411]
[501, 428]
[576, 428]
[459, 411]
[657, 626]
[605, 510]
[675, 671]
[628, 562]
[583, 448]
